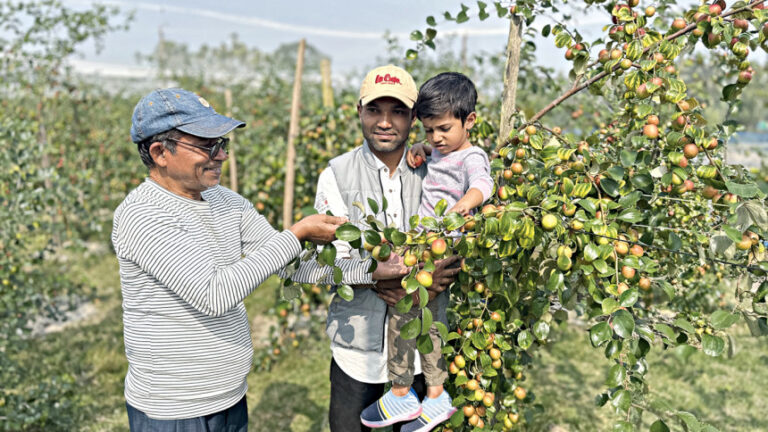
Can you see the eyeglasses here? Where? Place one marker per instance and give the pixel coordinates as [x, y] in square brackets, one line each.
[220, 143]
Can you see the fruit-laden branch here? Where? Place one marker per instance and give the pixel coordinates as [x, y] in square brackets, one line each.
[601, 75]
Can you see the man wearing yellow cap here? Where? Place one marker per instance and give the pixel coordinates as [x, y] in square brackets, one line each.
[376, 170]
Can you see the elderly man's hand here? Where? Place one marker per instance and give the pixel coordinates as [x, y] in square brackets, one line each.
[391, 291]
[318, 228]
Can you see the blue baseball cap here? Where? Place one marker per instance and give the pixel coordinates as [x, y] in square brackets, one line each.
[175, 108]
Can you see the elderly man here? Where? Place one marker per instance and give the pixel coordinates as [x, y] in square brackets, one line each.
[189, 252]
[376, 170]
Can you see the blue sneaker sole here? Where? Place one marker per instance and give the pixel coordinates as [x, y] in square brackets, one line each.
[392, 420]
[436, 421]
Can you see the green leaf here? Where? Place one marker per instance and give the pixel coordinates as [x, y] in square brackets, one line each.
[609, 186]
[644, 182]
[416, 35]
[751, 213]
[621, 400]
[411, 329]
[372, 237]
[541, 330]
[673, 241]
[424, 344]
[623, 426]
[631, 216]
[556, 281]
[346, 292]
[347, 232]
[628, 158]
[423, 297]
[562, 39]
[600, 333]
[616, 172]
[591, 252]
[685, 325]
[414, 221]
[629, 297]
[327, 256]
[404, 305]
[722, 319]
[397, 238]
[588, 205]
[659, 426]
[744, 190]
[689, 420]
[453, 221]
[712, 345]
[609, 306]
[373, 205]
[616, 376]
[442, 329]
[426, 321]
[524, 339]
[338, 275]
[666, 331]
[733, 233]
[440, 207]
[430, 223]
[431, 21]
[623, 324]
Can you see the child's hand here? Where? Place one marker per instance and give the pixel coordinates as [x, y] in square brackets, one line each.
[416, 155]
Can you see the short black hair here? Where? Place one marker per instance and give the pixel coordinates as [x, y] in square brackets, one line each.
[446, 92]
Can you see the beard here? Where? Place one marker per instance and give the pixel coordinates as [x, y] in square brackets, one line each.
[384, 146]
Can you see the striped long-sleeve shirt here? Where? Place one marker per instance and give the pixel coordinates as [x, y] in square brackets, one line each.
[185, 268]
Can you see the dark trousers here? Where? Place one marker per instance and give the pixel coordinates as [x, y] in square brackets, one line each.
[232, 419]
[350, 397]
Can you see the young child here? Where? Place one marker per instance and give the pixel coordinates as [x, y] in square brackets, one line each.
[459, 173]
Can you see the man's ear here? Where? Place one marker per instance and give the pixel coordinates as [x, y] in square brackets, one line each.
[359, 108]
[157, 152]
[469, 122]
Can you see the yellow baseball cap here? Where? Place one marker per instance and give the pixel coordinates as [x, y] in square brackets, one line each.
[391, 81]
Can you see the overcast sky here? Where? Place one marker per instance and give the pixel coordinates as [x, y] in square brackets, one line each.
[349, 31]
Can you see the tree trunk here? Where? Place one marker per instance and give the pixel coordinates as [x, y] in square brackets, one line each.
[232, 158]
[511, 70]
[293, 132]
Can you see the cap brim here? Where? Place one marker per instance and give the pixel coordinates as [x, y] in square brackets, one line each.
[212, 126]
[401, 97]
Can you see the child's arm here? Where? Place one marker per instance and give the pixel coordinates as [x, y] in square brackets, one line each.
[478, 171]
[470, 200]
[417, 154]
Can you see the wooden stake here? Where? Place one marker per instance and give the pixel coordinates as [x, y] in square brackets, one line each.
[514, 43]
[293, 132]
[325, 71]
[231, 151]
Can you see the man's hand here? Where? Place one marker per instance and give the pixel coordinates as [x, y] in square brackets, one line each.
[391, 291]
[417, 154]
[392, 268]
[318, 228]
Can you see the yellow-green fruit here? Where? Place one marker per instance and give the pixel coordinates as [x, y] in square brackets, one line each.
[549, 222]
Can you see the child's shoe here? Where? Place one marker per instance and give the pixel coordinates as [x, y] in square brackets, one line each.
[434, 411]
[391, 409]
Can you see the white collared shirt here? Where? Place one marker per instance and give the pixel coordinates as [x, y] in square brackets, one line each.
[364, 366]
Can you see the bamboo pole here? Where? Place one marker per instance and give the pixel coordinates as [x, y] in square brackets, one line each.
[511, 70]
[328, 103]
[325, 71]
[293, 132]
[232, 159]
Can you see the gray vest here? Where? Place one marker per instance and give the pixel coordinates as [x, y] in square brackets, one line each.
[359, 323]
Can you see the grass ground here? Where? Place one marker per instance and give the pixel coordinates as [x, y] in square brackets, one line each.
[293, 396]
